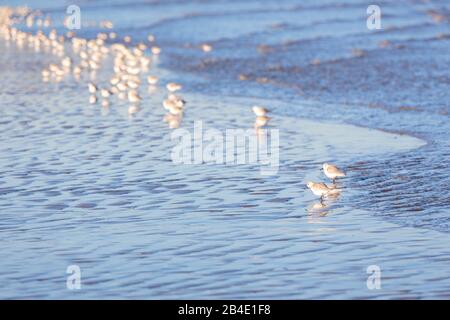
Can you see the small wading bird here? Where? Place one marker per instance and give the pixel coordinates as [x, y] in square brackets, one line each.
[260, 111]
[152, 80]
[206, 47]
[321, 189]
[134, 97]
[332, 172]
[156, 50]
[172, 86]
[167, 104]
[105, 93]
[92, 88]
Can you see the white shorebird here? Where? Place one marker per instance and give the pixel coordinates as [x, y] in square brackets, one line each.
[152, 80]
[321, 189]
[172, 86]
[45, 73]
[105, 93]
[122, 95]
[93, 99]
[114, 80]
[114, 90]
[180, 103]
[66, 62]
[168, 103]
[132, 84]
[260, 111]
[206, 47]
[175, 110]
[134, 97]
[77, 71]
[156, 50]
[92, 88]
[332, 172]
[122, 86]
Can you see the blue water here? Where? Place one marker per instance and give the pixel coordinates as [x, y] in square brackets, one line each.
[96, 188]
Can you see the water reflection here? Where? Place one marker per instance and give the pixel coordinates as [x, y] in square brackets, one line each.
[322, 208]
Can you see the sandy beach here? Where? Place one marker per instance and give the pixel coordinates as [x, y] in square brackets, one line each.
[96, 187]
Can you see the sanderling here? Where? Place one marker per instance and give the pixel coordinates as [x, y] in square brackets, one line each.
[172, 86]
[175, 110]
[156, 50]
[132, 84]
[260, 111]
[77, 71]
[122, 95]
[321, 189]
[134, 97]
[114, 80]
[152, 80]
[206, 47]
[168, 103]
[122, 86]
[92, 88]
[180, 103]
[66, 62]
[332, 172]
[45, 73]
[105, 93]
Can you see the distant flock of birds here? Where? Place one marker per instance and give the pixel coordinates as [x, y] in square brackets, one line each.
[129, 65]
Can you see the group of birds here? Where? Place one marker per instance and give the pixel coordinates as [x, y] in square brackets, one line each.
[331, 171]
[79, 56]
[129, 64]
[323, 190]
[174, 105]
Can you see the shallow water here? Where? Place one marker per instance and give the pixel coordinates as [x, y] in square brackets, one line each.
[95, 187]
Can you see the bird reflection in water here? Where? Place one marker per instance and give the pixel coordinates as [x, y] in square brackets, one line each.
[322, 208]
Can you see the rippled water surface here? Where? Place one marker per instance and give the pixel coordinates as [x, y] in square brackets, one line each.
[92, 186]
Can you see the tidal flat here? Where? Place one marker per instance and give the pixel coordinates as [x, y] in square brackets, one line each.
[93, 186]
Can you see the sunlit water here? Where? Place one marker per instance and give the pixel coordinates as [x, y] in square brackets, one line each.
[97, 188]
